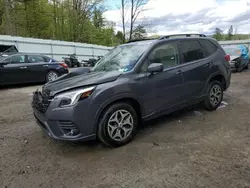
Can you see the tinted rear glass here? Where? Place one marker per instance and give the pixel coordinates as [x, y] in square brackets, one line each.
[191, 50]
[208, 47]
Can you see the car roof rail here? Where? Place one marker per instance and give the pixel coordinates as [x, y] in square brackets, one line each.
[182, 35]
[138, 40]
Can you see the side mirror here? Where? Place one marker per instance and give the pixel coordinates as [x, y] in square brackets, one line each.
[155, 67]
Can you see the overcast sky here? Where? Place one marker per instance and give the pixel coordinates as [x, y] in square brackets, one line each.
[189, 16]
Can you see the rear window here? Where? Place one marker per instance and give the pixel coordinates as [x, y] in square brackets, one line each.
[208, 47]
[35, 59]
[191, 50]
[232, 51]
[48, 59]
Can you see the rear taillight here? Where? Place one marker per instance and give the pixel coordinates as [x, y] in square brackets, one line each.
[64, 65]
[227, 58]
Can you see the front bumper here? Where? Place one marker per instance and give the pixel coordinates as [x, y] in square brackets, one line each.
[233, 64]
[63, 123]
[61, 71]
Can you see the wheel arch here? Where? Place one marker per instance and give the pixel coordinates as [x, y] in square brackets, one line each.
[127, 99]
[219, 77]
[50, 70]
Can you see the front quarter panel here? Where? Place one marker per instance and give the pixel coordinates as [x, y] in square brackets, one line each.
[107, 93]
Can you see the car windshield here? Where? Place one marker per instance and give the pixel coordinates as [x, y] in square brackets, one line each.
[2, 58]
[122, 58]
[233, 51]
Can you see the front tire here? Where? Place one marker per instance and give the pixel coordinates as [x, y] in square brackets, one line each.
[214, 95]
[240, 66]
[51, 76]
[118, 124]
[246, 66]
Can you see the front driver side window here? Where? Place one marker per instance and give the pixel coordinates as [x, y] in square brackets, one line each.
[166, 54]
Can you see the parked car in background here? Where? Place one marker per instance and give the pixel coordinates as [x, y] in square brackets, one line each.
[136, 81]
[18, 68]
[239, 57]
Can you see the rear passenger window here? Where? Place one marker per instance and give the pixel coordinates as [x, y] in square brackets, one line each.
[191, 50]
[208, 47]
[35, 59]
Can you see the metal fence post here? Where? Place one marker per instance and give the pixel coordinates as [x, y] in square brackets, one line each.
[93, 52]
[17, 45]
[51, 50]
[75, 49]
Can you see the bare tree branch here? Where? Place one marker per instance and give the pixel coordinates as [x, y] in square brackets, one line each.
[136, 10]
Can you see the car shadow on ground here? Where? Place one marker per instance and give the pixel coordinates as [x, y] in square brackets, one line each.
[145, 128]
[19, 86]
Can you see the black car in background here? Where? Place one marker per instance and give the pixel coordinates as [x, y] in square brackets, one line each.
[16, 68]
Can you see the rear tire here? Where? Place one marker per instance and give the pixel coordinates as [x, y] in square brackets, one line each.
[51, 76]
[214, 95]
[246, 66]
[117, 125]
[240, 66]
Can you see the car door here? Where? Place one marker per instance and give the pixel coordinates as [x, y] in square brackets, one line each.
[162, 91]
[13, 70]
[38, 67]
[193, 66]
[210, 68]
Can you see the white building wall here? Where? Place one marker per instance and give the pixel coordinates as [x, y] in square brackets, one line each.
[53, 48]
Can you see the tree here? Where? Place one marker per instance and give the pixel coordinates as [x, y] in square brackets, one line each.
[218, 34]
[8, 24]
[98, 19]
[120, 37]
[69, 20]
[230, 33]
[139, 33]
[135, 11]
[123, 21]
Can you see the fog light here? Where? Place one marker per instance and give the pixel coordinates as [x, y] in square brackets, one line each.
[73, 132]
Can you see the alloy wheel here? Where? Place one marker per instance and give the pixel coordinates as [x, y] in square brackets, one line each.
[120, 125]
[215, 95]
[52, 76]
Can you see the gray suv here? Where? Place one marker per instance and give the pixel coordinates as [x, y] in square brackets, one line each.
[134, 82]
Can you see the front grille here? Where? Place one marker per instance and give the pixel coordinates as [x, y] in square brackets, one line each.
[40, 102]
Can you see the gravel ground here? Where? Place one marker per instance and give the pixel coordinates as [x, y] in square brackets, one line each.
[187, 149]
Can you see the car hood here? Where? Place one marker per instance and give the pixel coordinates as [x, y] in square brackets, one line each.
[74, 80]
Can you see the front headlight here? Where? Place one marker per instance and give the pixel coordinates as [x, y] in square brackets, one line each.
[72, 97]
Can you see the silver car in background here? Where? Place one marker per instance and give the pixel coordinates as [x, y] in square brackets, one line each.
[237, 60]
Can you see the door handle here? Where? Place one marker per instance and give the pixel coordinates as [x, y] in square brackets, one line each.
[45, 65]
[208, 64]
[23, 67]
[179, 72]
